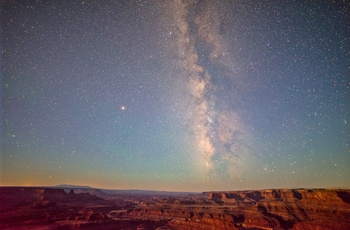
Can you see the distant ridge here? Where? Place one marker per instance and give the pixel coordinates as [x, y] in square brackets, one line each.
[73, 186]
[121, 191]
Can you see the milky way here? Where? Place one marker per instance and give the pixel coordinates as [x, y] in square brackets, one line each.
[216, 134]
[175, 95]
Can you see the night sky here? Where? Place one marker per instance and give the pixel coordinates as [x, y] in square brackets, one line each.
[175, 95]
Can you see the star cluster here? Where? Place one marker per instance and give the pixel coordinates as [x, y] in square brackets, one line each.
[175, 95]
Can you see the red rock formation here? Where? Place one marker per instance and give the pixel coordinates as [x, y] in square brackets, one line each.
[286, 209]
[264, 209]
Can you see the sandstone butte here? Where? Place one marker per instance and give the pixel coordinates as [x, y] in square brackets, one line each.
[58, 208]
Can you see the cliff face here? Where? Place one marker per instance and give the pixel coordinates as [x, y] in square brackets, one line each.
[282, 194]
[264, 209]
[288, 208]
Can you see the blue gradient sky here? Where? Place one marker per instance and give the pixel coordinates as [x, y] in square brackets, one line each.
[176, 95]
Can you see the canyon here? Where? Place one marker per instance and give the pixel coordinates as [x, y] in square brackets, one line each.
[91, 208]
